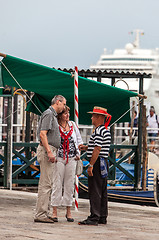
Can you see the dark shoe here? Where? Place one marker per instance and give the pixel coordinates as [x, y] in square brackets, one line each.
[88, 222]
[43, 220]
[55, 219]
[102, 221]
[69, 219]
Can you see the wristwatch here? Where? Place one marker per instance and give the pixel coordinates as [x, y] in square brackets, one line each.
[90, 165]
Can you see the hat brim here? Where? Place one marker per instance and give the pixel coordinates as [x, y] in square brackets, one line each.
[98, 113]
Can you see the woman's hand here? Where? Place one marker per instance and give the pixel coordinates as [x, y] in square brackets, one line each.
[77, 158]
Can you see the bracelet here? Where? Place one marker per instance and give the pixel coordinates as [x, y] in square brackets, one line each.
[90, 165]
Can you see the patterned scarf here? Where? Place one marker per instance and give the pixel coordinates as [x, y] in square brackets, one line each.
[65, 144]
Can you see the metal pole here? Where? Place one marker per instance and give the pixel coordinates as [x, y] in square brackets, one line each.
[28, 137]
[15, 117]
[99, 78]
[139, 154]
[145, 155]
[9, 142]
[112, 132]
[27, 130]
[112, 129]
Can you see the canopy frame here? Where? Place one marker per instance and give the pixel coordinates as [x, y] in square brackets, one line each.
[113, 76]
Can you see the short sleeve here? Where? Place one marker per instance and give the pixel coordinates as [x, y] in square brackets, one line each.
[98, 138]
[46, 123]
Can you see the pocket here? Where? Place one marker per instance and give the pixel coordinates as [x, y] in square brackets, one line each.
[40, 152]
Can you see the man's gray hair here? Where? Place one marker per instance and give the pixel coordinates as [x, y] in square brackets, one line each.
[57, 97]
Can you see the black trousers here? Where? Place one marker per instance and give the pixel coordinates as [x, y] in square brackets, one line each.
[97, 189]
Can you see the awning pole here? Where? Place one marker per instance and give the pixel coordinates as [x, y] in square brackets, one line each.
[76, 121]
[3, 55]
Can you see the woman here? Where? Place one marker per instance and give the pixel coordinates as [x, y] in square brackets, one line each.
[65, 166]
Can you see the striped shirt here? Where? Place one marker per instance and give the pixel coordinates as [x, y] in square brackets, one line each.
[101, 138]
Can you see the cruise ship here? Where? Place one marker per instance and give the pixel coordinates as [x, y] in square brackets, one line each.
[132, 58]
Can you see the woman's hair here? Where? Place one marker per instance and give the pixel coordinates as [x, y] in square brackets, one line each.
[66, 109]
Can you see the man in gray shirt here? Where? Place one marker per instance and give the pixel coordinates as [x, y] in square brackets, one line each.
[49, 137]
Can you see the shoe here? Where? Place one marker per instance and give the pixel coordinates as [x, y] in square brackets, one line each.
[102, 221]
[88, 222]
[55, 219]
[43, 220]
[69, 219]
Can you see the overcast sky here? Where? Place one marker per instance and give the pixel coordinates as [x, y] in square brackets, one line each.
[65, 33]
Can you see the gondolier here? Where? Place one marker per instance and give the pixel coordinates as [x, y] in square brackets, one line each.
[97, 152]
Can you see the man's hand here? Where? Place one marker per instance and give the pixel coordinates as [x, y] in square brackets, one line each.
[90, 171]
[82, 147]
[51, 157]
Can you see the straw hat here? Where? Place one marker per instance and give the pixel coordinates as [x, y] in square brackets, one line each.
[99, 110]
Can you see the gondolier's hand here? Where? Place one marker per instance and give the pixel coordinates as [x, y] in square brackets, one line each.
[82, 147]
[77, 158]
[51, 157]
[90, 171]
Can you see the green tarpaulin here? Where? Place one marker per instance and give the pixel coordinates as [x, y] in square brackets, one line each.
[46, 82]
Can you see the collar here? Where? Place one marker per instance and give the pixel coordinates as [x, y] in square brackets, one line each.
[53, 111]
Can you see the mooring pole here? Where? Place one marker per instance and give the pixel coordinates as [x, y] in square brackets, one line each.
[139, 151]
[76, 117]
[145, 155]
[112, 129]
[9, 141]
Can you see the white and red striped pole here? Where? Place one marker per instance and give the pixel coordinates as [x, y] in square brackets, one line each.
[76, 96]
[76, 121]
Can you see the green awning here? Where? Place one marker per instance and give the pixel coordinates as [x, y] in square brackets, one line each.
[46, 82]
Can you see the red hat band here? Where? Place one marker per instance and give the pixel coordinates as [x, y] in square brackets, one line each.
[100, 111]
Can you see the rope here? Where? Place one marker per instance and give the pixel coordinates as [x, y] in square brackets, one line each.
[125, 113]
[13, 112]
[20, 87]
